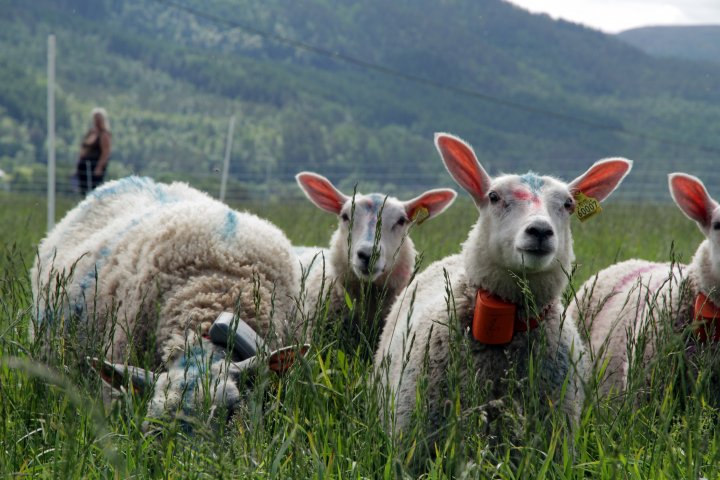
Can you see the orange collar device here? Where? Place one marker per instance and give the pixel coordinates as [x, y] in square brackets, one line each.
[495, 321]
[707, 315]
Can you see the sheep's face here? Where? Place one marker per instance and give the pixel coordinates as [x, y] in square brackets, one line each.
[524, 221]
[690, 194]
[198, 386]
[201, 380]
[375, 225]
[527, 222]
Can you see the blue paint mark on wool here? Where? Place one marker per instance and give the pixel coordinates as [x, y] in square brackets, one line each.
[196, 358]
[161, 195]
[124, 185]
[534, 182]
[230, 226]
[133, 184]
[195, 364]
[376, 203]
[127, 185]
[85, 283]
[94, 272]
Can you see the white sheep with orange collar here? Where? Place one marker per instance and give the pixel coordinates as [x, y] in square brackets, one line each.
[637, 300]
[523, 230]
[370, 259]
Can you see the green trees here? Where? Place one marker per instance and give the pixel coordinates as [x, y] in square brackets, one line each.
[530, 93]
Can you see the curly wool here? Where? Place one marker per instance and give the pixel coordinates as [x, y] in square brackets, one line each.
[638, 299]
[164, 260]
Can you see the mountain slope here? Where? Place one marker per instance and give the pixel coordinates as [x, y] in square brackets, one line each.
[688, 42]
[527, 91]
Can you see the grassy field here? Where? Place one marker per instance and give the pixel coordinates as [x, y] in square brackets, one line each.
[323, 421]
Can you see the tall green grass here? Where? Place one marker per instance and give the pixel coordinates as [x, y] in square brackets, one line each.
[324, 420]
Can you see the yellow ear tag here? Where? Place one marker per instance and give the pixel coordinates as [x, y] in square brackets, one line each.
[586, 206]
[421, 214]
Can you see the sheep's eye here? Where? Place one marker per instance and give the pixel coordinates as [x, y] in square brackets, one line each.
[401, 221]
[569, 204]
[494, 197]
[716, 226]
[345, 217]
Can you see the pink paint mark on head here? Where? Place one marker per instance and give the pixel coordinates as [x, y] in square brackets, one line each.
[523, 194]
[526, 196]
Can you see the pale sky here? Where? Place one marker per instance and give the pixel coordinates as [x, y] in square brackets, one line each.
[613, 16]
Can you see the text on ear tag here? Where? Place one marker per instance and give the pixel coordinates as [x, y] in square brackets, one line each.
[586, 206]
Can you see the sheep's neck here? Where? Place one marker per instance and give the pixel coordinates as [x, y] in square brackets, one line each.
[495, 321]
[367, 299]
[707, 314]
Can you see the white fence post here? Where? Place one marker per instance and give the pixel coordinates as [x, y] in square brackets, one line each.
[51, 132]
[226, 163]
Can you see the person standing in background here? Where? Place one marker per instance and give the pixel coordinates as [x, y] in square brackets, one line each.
[94, 152]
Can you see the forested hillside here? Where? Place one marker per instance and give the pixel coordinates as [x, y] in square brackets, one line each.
[701, 42]
[527, 91]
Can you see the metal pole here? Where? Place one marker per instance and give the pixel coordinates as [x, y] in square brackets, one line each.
[226, 163]
[51, 132]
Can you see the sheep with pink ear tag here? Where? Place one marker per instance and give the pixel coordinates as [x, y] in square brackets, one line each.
[370, 259]
[625, 306]
[500, 296]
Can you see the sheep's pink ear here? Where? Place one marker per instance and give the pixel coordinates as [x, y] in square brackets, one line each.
[690, 195]
[119, 376]
[281, 360]
[429, 204]
[321, 192]
[602, 178]
[463, 166]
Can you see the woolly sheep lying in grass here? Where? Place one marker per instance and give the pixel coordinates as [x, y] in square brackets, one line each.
[371, 256]
[147, 268]
[523, 231]
[632, 304]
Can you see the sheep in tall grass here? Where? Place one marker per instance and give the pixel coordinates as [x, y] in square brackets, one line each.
[371, 257]
[628, 307]
[500, 297]
[147, 268]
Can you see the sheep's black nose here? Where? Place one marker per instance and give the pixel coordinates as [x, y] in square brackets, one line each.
[364, 256]
[540, 230]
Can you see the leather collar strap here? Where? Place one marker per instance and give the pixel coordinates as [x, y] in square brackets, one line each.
[495, 321]
[707, 315]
